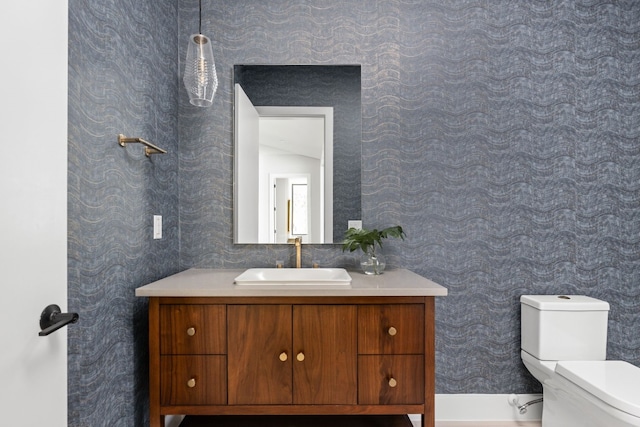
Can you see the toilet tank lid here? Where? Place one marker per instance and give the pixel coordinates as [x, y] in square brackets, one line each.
[564, 303]
[614, 382]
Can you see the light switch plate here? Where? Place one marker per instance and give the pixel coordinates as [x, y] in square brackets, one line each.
[157, 226]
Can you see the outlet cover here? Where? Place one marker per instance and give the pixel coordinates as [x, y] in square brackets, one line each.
[355, 223]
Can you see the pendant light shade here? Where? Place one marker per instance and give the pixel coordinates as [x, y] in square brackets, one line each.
[200, 77]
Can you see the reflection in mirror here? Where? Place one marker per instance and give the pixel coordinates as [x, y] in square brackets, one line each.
[297, 152]
[295, 146]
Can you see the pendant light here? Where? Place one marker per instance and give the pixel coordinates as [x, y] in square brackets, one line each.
[200, 77]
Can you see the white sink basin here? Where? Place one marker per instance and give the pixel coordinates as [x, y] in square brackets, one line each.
[294, 277]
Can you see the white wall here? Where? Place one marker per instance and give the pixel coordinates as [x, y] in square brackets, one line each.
[271, 165]
[246, 170]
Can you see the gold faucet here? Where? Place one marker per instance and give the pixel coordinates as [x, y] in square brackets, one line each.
[298, 243]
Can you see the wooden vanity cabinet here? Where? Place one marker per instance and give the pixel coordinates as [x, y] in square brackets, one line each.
[291, 355]
[391, 351]
[193, 347]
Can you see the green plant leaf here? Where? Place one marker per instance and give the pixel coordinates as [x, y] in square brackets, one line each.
[366, 240]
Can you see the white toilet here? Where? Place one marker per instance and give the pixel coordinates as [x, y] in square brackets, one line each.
[564, 345]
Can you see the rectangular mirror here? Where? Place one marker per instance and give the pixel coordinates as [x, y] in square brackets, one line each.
[297, 138]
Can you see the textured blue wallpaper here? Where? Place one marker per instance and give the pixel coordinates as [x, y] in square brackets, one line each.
[502, 134]
[122, 79]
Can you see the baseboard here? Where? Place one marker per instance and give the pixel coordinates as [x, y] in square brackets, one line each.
[486, 424]
[485, 407]
[460, 409]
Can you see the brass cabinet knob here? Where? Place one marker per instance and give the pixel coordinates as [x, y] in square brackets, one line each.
[392, 331]
[191, 331]
[191, 383]
[283, 356]
[392, 382]
[300, 357]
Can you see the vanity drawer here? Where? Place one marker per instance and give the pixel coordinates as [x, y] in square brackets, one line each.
[391, 380]
[193, 329]
[391, 329]
[193, 380]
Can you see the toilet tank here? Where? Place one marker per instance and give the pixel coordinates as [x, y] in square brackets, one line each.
[564, 327]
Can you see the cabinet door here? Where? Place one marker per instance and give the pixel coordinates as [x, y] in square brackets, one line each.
[391, 380]
[259, 359]
[391, 329]
[193, 329]
[193, 380]
[325, 358]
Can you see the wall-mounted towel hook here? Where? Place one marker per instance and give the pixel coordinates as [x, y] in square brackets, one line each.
[52, 319]
[149, 148]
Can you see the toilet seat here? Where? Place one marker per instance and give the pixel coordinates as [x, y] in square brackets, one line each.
[612, 381]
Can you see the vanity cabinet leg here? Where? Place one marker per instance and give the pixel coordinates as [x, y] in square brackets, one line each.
[429, 416]
[155, 418]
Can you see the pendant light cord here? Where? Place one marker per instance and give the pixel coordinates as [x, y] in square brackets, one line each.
[200, 18]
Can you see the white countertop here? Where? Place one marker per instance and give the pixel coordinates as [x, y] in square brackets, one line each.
[205, 282]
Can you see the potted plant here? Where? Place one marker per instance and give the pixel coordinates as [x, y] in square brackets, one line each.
[367, 240]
